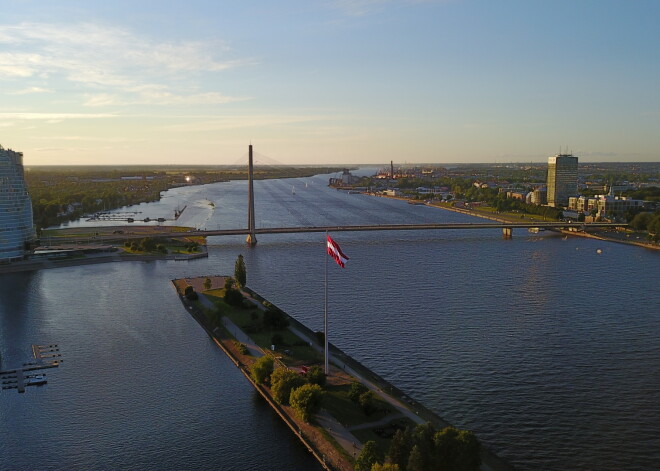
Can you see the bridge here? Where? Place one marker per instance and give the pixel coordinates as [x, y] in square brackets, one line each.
[391, 227]
[507, 228]
[252, 231]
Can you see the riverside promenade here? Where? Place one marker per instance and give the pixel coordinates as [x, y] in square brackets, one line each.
[333, 444]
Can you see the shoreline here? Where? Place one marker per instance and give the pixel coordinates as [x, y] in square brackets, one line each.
[35, 265]
[471, 212]
[343, 367]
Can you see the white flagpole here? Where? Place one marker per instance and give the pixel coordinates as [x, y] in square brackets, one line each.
[325, 317]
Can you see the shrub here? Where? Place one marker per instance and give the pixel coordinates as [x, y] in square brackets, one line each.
[356, 390]
[190, 293]
[242, 349]
[275, 319]
[315, 375]
[262, 369]
[306, 400]
[367, 402]
[233, 297]
[283, 381]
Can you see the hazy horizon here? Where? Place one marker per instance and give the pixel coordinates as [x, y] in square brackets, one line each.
[312, 83]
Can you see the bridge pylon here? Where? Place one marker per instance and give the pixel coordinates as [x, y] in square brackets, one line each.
[251, 239]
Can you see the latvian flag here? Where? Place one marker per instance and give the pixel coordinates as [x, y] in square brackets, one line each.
[335, 252]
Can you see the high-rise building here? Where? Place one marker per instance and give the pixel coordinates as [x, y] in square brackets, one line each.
[562, 179]
[16, 227]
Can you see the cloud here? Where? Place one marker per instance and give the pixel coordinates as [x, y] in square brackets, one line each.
[29, 90]
[54, 117]
[160, 97]
[112, 60]
[246, 121]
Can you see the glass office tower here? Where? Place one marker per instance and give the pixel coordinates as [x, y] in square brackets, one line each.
[16, 227]
[562, 179]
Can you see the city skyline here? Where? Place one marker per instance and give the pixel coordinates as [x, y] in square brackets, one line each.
[343, 81]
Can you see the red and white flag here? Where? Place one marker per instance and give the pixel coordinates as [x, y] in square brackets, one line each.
[335, 252]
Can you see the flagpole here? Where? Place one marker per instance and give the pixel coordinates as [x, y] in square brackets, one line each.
[325, 316]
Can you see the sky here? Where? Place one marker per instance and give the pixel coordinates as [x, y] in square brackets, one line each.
[329, 81]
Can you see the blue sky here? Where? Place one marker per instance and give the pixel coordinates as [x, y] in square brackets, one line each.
[329, 81]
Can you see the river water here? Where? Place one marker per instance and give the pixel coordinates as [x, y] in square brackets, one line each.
[546, 348]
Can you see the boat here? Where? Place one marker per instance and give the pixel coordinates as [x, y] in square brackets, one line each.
[36, 380]
[293, 190]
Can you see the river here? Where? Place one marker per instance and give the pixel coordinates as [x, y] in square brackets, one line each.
[547, 347]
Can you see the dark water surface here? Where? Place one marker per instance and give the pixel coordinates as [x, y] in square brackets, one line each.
[545, 348]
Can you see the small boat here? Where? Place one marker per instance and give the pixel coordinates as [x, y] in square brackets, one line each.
[36, 380]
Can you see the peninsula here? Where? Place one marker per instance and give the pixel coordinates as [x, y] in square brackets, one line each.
[361, 417]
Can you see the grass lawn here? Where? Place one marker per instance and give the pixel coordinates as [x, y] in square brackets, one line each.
[348, 413]
[247, 319]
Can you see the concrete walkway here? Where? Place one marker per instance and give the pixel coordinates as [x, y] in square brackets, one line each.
[238, 334]
[340, 433]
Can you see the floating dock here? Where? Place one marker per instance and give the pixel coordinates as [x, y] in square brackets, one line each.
[45, 356]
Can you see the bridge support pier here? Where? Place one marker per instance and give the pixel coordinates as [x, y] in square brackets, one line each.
[251, 238]
[507, 232]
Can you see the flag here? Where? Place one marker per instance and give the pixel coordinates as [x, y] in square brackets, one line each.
[335, 252]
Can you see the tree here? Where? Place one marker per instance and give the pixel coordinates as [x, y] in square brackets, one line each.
[368, 402]
[229, 283]
[261, 369]
[356, 390]
[207, 283]
[416, 460]
[306, 400]
[316, 375]
[282, 382]
[274, 319]
[148, 244]
[368, 457]
[423, 438]
[457, 449]
[233, 297]
[385, 467]
[240, 273]
[400, 448]
[641, 221]
[190, 293]
[469, 452]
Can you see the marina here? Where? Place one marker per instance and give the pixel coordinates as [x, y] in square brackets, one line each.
[45, 356]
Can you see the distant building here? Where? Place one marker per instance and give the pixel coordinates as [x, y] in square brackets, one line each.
[539, 196]
[16, 227]
[346, 179]
[562, 179]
